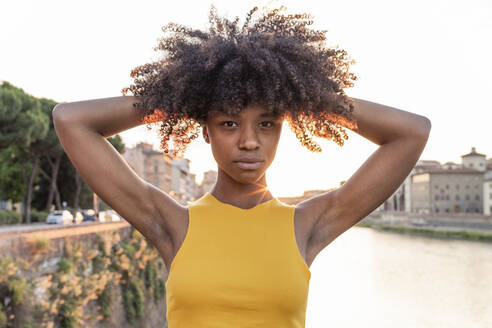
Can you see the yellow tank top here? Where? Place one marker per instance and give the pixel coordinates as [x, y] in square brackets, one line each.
[238, 268]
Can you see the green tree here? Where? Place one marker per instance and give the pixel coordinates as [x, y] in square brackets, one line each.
[22, 124]
[12, 185]
[52, 152]
[29, 145]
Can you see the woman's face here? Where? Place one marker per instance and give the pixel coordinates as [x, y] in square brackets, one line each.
[251, 136]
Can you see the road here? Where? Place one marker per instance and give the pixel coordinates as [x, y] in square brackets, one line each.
[17, 230]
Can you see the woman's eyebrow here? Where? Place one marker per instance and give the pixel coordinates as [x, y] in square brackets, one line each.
[235, 115]
[265, 114]
[268, 114]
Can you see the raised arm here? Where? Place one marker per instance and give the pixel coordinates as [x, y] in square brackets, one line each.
[402, 137]
[82, 128]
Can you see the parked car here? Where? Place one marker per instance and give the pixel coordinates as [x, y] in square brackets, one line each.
[89, 215]
[78, 217]
[60, 217]
[109, 216]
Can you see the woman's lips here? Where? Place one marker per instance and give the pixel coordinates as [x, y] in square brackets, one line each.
[249, 165]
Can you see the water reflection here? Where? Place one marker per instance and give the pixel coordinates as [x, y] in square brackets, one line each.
[369, 278]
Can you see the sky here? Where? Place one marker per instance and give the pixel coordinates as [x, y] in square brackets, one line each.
[428, 57]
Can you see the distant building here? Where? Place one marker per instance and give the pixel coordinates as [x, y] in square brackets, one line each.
[442, 190]
[474, 160]
[153, 166]
[10, 206]
[208, 182]
[448, 188]
[163, 171]
[487, 193]
[401, 200]
[182, 181]
[306, 195]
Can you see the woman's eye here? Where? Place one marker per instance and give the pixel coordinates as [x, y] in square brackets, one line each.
[227, 123]
[271, 123]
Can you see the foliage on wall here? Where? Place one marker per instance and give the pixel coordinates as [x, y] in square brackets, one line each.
[86, 275]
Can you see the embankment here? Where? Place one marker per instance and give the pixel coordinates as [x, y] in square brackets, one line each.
[90, 275]
[452, 226]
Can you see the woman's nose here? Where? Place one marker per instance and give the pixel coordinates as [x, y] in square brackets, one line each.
[248, 138]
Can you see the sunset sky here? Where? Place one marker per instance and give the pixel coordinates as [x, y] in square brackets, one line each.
[427, 57]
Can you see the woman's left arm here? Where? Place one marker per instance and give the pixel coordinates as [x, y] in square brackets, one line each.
[402, 137]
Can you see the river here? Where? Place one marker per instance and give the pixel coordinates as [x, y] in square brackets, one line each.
[370, 278]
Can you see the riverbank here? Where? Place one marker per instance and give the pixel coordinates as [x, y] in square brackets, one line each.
[433, 232]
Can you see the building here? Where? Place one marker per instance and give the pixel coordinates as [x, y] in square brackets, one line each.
[441, 190]
[162, 170]
[153, 166]
[209, 180]
[182, 181]
[487, 190]
[401, 200]
[474, 160]
[448, 188]
[306, 195]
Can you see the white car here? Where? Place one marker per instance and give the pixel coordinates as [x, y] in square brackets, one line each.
[79, 217]
[60, 217]
[109, 216]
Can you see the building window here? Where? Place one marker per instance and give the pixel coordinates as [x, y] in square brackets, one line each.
[467, 187]
[436, 186]
[447, 210]
[477, 197]
[467, 197]
[156, 181]
[447, 186]
[155, 169]
[447, 197]
[481, 164]
[476, 186]
[490, 195]
[437, 197]
[457, 197]
[437, 210]
[457, 186]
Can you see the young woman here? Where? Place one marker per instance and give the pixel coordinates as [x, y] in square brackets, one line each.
[237, 256]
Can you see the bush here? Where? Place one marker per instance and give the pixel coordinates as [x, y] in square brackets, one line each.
[66, 313]
[17, 288]
[106, 300]
[38, 216]
[10, 217]
[160, 289]
[133, 300]
[3, 317]
[65, 265]
[39, 245]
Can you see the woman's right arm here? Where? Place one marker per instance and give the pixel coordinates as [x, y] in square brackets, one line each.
[82, 128]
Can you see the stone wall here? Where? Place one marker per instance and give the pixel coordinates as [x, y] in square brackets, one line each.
[465, 221]
[91, 275]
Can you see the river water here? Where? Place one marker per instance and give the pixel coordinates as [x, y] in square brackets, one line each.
[369, 278]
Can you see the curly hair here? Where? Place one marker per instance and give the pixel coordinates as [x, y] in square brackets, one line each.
[274, 61]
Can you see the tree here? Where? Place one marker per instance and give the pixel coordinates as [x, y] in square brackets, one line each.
[29, 145]
[52, 151]
[22, 124]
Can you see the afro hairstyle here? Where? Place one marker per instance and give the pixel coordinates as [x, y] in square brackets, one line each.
[272, 60]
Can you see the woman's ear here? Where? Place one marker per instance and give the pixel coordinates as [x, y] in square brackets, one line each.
[205, 133]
